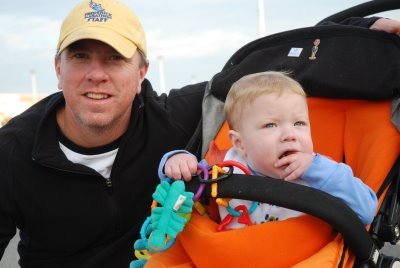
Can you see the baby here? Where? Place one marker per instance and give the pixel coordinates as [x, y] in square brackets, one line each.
[270, 133]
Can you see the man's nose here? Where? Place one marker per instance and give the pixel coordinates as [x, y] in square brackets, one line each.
[97, 71]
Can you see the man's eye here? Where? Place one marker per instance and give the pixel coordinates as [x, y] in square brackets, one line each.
[79, 56]
[300, 123]
[270, 125]
[116, 58]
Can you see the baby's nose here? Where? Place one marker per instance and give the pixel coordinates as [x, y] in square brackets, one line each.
[288, 134]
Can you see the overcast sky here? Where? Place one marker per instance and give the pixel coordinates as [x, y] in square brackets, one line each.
[195, 37]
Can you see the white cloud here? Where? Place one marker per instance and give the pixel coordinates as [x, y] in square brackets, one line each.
[196, 45]
[19, 34]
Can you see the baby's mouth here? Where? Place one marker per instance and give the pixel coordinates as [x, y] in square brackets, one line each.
[286, 153]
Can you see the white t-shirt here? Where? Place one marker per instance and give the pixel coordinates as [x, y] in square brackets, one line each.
[102, 162]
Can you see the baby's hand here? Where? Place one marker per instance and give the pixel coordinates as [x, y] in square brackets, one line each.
[296, 164]
[181, 166]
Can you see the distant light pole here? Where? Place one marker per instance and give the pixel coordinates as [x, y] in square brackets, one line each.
[193, 79]
[261, 18]
[34, 88]
[160, 59]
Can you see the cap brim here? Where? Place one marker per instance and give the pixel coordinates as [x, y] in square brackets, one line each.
[121, 44]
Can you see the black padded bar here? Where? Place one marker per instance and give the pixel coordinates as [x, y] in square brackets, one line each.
[300, 198]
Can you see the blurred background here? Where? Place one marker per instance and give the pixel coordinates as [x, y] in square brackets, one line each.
[188, 42]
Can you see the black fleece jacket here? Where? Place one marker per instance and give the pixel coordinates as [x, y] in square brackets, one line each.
[67, 214]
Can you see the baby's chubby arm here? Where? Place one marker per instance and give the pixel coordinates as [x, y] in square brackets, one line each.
[334, 178]
[177, 165]
[337, 179]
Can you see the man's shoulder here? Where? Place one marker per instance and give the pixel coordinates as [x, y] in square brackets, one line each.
[194, 90]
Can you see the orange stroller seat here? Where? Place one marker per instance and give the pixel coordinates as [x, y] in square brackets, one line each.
[357, 132]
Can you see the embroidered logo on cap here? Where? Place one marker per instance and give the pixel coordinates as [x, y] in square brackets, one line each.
[99, 14]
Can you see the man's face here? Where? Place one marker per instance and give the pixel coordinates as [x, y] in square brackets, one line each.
[99, 85]
[272, 127]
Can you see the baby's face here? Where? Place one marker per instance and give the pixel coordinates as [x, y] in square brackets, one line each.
[272, 127]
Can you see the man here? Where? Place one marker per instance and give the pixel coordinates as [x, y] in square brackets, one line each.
[78, 168]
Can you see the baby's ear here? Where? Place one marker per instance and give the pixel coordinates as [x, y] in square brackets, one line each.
[237, 143]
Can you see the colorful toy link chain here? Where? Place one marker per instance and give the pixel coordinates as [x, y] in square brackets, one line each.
[241, 211]
[159, 231]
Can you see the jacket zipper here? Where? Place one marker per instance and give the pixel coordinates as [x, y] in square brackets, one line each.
[109, 187]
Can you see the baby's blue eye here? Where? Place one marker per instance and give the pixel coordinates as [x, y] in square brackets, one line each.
[270, 125]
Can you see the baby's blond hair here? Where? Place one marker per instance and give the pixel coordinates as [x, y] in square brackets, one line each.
[248, 88]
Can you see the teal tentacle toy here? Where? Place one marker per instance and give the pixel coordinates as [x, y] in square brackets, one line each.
[166, 221]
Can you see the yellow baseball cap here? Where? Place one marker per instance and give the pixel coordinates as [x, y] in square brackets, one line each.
[108, 21]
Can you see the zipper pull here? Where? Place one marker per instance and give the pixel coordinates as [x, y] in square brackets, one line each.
[109, 185]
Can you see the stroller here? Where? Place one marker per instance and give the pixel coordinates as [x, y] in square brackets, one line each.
[354, 109]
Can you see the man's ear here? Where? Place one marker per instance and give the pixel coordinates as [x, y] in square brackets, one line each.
[237, 142]
[142, 74]
[58, 71]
